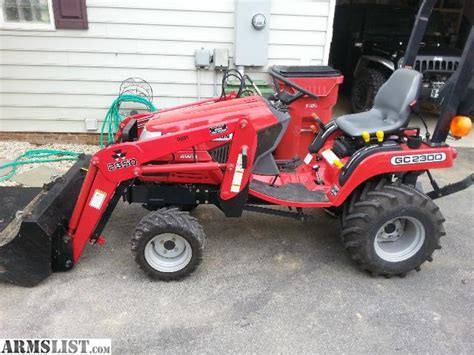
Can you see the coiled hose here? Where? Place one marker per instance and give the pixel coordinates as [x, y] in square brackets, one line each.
[109, 127]
[113, 117]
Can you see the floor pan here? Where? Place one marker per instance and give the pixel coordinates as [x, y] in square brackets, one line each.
[289, 192]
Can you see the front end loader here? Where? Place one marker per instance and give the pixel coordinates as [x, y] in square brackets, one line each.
[250, 153]
[33, 228]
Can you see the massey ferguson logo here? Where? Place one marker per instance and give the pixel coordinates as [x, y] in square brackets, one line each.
[120, 161]
[118, 154]
[418, 158]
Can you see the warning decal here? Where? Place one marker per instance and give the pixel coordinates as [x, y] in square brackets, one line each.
[98, 199]
[238, 176]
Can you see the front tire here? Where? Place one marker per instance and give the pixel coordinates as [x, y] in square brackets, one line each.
[390, 229]
[168, 244]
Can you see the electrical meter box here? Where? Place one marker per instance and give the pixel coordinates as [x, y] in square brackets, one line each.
[251, 32]
[202, 58]
[221, 58]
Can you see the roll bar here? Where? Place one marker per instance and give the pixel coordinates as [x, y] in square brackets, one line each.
[458, 83]
[418, 32]
[455, 91]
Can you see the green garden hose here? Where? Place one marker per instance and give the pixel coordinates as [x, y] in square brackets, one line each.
[113, 117]
[35, 156]
[109, 127]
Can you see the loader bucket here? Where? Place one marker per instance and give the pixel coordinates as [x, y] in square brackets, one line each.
[33, 224]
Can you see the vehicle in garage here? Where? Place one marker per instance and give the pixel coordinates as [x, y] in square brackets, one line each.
[369, 43]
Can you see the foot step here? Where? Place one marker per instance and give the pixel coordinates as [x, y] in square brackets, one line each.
[289, 192]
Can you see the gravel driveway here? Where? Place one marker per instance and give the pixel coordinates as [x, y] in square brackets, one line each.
[9, 150]
[267, 284]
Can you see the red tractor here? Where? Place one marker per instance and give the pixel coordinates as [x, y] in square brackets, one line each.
[250, 153]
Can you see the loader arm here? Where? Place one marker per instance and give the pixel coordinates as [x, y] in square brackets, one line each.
[123, 162]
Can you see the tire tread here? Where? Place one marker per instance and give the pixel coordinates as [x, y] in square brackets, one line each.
[363, 209]
[168, 220]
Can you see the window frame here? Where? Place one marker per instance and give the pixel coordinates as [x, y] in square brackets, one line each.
[36, 26]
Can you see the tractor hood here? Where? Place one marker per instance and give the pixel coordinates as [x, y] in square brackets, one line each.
[254, 108]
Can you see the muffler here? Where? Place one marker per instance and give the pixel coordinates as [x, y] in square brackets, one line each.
[33, 227]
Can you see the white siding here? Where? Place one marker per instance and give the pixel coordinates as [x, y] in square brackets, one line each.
[53, 80]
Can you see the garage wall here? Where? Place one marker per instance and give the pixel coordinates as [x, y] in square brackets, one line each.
[52, 81]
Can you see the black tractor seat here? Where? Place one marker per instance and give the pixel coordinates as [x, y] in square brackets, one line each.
[391, 109]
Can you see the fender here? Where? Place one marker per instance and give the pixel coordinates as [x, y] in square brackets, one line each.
[397, 160]
[366, 59]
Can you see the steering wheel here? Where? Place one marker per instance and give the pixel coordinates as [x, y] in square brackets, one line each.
[285, 96]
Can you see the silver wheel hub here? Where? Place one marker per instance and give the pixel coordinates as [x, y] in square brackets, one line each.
[391, 231]
[399, 239]
[168, 252]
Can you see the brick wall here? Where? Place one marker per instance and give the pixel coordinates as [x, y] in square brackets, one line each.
[44, 138]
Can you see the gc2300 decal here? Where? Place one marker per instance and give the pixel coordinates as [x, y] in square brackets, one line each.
[418, 158]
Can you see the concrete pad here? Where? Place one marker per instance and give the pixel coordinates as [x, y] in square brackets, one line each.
[38, 176]
[267, 284]
[5, 171]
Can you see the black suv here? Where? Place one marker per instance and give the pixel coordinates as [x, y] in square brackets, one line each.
[369, 43]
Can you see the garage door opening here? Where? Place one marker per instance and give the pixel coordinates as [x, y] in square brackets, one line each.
[370, 38]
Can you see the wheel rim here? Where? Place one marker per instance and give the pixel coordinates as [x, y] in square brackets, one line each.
[168, 252]
[399, 239]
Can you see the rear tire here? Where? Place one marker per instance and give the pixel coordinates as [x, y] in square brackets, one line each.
[390, 229]
[364, 89]
[168, 244]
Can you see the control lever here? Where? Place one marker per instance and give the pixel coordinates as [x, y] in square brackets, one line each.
[244, 157]
[319, 122]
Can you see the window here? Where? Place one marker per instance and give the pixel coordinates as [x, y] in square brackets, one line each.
[44, 14]
[27, 14]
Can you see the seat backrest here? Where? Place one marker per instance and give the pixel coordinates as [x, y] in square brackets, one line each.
[398, 92]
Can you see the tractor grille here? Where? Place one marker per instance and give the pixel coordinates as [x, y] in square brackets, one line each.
[436, 64]
[265, 140]
[220, 154]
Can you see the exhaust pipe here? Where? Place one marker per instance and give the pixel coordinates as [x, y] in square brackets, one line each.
[33, 227]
